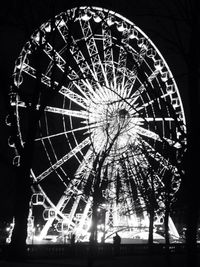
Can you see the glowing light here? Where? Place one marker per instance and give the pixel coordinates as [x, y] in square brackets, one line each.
[158, 64]
[110, 20]
[151, 53]
[121, 26]
[133, 33]
[86, 15]
[104, 109]
[97, 19]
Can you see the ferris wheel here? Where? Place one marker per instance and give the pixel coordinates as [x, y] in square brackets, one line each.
[111, 106]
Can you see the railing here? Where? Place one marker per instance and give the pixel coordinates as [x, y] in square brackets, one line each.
[98, 251]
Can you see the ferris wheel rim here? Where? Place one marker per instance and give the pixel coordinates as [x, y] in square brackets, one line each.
[120, 116]
[125, 19]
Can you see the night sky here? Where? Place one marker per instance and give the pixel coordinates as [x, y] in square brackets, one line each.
[18, 19]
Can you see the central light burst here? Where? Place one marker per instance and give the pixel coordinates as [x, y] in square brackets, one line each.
[112, 115]
[115, 114]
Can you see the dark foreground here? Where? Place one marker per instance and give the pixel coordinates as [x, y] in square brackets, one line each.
[118, 261]
[104, 256]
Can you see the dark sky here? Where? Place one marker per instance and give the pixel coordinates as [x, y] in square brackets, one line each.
[19, 18]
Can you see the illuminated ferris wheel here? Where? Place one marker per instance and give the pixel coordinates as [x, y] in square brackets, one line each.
[112, 107]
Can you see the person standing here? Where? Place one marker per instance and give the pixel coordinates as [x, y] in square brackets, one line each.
[116, 243]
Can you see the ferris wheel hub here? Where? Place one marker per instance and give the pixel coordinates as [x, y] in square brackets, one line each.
[104, 102]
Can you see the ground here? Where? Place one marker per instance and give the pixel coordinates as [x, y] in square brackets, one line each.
[178, 260]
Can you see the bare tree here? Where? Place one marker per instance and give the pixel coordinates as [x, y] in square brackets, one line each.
[24, 170]
[98, 173]
[35, 109]
[183, 16]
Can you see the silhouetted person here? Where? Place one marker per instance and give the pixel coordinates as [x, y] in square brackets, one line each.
[72, 241]
[72, 244]
[116, 243]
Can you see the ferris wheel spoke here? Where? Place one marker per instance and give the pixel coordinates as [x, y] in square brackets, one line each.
[105, 93]
[108, 53]
[95, 95]
[68, 112]
[101, 143]
[126, 84]
[29, 70]
[156, 155]
[55, 156]
[73, 113]
[114, 96]
[76, 98]
[86, 163]
[82, 63]
[86, 71]
[62, 27]
[50, 51]
[138, 93]
[65, 158]
[130, 84]
[121, 67]
[141, 120]
[58, 208]
[139, 159]
[86, 166]
[32, 72]
[153, 119]
[93, 52]
[153, 75]
[85, 88]
[75, 50]
[147, 133]
[84, 128]
[151, 102]
[79, 83]
[46, 80]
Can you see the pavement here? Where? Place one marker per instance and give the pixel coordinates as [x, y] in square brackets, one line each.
[178, 260]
